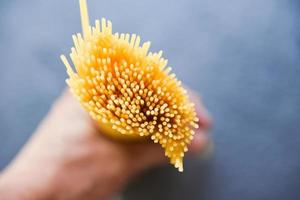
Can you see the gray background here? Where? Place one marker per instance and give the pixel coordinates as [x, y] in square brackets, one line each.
[243, 56]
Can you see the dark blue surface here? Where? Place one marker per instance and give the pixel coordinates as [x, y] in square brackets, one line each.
[243, 56]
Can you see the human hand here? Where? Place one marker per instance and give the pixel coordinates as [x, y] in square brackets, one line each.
[67, 158]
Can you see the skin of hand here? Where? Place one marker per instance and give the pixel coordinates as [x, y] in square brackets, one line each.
[67, 158]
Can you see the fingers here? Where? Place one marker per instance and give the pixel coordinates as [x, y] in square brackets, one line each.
[145, 156]
[198, 143]
[154, 156]
[201, 139]
[205, 120]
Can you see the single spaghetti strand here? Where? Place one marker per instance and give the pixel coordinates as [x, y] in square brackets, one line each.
[84, 18]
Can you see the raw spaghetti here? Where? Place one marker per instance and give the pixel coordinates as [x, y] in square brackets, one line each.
[130, 92]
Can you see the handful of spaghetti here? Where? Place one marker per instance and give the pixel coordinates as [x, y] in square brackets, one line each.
[128, 91]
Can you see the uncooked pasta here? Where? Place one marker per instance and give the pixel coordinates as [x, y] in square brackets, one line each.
[130, 92]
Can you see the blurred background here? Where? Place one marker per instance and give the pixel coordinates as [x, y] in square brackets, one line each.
[243, 56]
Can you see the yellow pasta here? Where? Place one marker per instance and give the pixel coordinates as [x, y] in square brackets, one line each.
[130, 92]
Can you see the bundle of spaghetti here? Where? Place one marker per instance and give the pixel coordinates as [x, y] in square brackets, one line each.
[129, 92]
